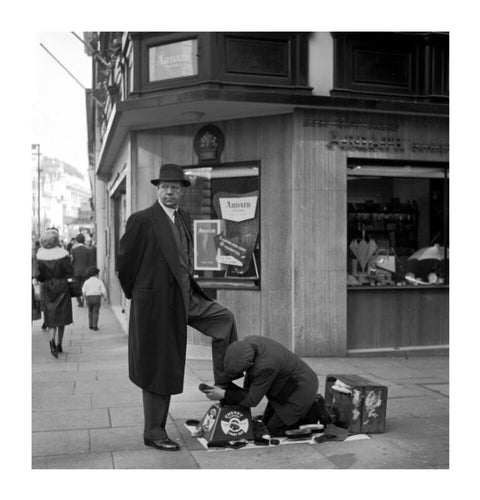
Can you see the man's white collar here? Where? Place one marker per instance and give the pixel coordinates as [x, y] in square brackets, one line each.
[169, 211]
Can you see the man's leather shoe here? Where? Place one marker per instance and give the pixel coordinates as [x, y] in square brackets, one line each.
[162, 444]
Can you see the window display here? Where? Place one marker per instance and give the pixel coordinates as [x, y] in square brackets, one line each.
[397, 226]
[223, 202]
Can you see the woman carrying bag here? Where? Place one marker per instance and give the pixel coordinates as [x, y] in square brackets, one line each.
[54, 267]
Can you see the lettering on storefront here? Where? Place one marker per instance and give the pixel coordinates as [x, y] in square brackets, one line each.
[366, 143]
[382, 143]
[420, 147]
[373, 140]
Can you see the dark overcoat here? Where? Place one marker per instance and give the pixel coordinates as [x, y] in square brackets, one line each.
[273, 371]
[148, 268]
[82, 259]
[54, 268]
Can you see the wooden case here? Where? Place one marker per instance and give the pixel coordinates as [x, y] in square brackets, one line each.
[357, 403]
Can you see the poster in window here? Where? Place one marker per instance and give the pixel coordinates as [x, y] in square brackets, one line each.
[206, 252]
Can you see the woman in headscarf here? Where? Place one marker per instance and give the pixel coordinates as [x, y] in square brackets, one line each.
[271, 370]
[54, 268]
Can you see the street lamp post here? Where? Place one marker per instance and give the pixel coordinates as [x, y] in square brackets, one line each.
[36, 148]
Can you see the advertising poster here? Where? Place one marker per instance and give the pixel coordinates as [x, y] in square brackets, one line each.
[238, 209]
[206, 253]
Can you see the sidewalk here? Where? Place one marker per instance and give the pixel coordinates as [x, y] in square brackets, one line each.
[88, 415]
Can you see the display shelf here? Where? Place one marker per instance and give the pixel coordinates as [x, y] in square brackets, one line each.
[390, 225]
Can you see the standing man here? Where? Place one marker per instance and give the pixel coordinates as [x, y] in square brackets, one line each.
[155, 268]
[81, 261]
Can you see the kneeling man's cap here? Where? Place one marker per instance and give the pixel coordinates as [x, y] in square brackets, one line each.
[239, 357]
[170, 172]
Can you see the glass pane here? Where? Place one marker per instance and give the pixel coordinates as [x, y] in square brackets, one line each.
[173, 60]
[224, 205]
[397, 228]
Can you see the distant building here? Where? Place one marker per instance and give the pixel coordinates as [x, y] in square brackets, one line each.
[65, 199]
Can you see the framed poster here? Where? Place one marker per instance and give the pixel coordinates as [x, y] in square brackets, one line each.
[205, 249]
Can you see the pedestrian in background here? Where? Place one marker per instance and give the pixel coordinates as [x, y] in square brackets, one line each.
[36, 286]
[81, 260]
[54, 267]
[93, 290]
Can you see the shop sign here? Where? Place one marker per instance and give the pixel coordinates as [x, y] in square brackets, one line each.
[366, 143]
[382, 143]
[238, 209]
[431, 147]
[173, 60]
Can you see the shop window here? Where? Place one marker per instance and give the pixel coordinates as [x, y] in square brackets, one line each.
[397, 225]
[224, 204]
[172, 60]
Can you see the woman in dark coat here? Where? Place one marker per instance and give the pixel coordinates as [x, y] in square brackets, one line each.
[54, 268]
[273, 371]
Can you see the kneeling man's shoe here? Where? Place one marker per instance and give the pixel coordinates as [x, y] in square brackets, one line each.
[162, 444]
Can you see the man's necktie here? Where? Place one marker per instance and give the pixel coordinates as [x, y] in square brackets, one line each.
[176, 218]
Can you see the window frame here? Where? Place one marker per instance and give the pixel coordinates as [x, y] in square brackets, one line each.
[352, 163]
[232, 282]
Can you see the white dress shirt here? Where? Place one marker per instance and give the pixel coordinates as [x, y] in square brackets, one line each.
[169, 211]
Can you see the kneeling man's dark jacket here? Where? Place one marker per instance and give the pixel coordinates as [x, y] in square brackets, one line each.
[273, 371]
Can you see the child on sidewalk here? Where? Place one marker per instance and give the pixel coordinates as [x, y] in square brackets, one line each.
[92, 290]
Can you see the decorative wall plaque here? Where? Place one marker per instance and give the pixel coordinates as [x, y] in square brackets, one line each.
[209, 143]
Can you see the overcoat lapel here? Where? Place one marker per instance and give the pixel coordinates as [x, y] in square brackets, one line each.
[166, 240]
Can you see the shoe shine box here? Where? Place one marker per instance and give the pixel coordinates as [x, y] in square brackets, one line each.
[223, 423]
[357, 403]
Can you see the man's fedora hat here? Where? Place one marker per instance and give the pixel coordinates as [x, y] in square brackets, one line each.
[171, 173]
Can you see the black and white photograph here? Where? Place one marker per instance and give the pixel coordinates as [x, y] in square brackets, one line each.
[240, 253]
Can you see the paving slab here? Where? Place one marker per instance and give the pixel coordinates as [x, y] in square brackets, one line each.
[51, 400]
[406, 390]
[77, 461]
[53, 365]
[60, 442]
[149, 458]
[120, 374]
[125, 416]
[118, 438]
[369, 454]
[103, 364]
[424, 406]
[104, 386]
[64, 387]
[69, 419]
[279, 457]
[61, 376]
[116, 399]
[440, 388]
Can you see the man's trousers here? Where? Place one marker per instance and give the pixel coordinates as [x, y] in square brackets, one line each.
[218, 323]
